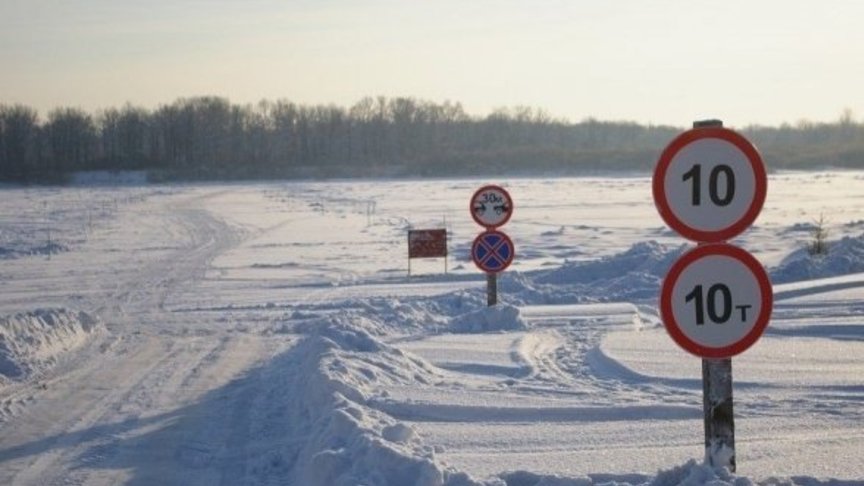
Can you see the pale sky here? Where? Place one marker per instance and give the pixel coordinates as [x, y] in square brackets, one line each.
[650, 61]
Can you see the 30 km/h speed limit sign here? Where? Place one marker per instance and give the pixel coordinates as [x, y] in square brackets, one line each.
[716, 301]
[709, 184]
[491, 206]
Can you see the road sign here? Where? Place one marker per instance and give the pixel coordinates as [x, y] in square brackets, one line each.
[427, 243]
[491, 206]
[716, 301]
[709, 184]
[492, 251]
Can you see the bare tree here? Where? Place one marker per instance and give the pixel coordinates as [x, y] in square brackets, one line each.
[72, 139]
[18, 138]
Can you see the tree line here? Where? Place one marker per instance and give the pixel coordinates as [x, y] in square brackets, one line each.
[211, 138]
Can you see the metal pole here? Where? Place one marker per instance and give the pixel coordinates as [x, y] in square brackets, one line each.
[717, 402]
[491, 289]
[719, 413]
[446, 243]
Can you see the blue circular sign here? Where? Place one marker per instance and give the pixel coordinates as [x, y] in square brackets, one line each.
[492, 251]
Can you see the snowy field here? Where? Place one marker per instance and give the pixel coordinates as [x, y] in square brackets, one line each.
[268, 334]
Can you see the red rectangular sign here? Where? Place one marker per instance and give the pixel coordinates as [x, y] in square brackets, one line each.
[427, 243]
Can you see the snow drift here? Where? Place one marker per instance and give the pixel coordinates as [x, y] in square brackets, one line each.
[489, 319]
[844, 256]
[32, 342]
[341, 439]
[635, 274]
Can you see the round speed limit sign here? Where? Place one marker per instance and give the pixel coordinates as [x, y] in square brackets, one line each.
[709, 184]
[716, 301]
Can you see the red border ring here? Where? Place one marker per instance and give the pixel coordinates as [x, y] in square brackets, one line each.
[504, 237]
[762, 319]
[735, 228]
[485, 188]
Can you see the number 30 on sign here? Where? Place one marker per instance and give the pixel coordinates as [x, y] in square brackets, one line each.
[491, 206]
[716, 301]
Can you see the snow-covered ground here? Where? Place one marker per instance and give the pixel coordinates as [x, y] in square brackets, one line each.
[257, 334]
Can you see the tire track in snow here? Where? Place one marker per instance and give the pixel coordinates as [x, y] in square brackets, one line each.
[172, 374]
[66, 433]
[74, 409]
[560, 382]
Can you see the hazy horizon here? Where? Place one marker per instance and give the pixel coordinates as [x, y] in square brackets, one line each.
[670, 62]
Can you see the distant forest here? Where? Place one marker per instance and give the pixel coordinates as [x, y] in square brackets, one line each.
[211, 138]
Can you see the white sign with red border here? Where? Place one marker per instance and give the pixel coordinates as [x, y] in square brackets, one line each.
[709, 184]
[491, 206]
[716, 301]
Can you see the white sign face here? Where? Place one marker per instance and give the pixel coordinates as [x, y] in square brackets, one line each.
[710, 184]
[491, 206]
[716, 301]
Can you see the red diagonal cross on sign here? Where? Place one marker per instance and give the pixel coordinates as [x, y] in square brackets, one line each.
[492, 253]
[493, 250]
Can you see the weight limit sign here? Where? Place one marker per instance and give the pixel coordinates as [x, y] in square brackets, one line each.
[716, 301]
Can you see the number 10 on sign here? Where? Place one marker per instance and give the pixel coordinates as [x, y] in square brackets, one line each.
[709, 184]
[716, 301]
[725, 306]
[721, 172]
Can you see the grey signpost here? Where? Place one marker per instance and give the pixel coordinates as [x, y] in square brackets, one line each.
[709, 186]
[717, 403]
[491, 206]
[491, 289]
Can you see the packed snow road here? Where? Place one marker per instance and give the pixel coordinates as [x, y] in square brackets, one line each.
[85, 419]
[268, 334]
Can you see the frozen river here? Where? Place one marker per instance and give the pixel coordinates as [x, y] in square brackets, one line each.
[269, 334]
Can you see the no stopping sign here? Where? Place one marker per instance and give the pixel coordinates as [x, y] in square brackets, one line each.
[492, 251]
[716, 301]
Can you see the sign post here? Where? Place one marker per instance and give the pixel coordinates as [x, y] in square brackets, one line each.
[427, 243]
[709, 186]
[492, 250]
[491, 289]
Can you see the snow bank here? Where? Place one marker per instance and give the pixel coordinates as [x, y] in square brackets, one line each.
[49, 248]
[844, 256]
[636, 274]
[632, 275]
[647, 257]
[32, 342]
[339, 437]
[500, 317]
[693, 473]
[696, 474]
[341, 440]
